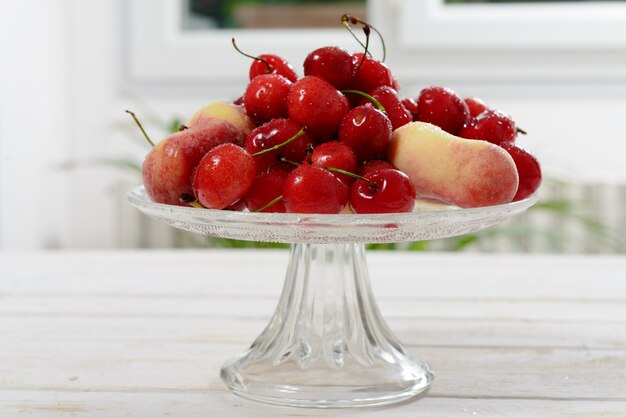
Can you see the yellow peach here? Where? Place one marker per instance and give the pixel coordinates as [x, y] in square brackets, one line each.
[458, 171]
[229, 112]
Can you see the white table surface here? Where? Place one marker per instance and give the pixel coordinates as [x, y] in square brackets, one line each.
[143, 334]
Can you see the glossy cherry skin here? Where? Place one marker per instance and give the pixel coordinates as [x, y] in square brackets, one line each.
[273, 133]
[393, 193]
[238, 206]
[367, 131]
[528, 169]
[332, 64]
[374, 165]
[223, 176]
[475, 105]
[266, 97]
[396, 112]
[492, 126]
[313, 189]
[411, 105]
[316, 104]
[371, 74]
[336, 154]
[266, 187]
[441, 106]
[277, 66]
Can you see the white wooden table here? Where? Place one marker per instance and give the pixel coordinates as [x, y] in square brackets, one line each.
[144, 334]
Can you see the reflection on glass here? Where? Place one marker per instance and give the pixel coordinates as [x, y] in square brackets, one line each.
[268, 14]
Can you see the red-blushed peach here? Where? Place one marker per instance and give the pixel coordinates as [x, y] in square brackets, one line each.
[229, 112]
[462, 172]
[168, 167]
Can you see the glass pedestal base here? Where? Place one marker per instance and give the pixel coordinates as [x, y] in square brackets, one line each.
[326, 345]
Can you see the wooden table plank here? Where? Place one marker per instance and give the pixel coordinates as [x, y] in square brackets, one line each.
[510, 372]
[582, 311]
[43, 404]
[210, 272]
[121, 334]
[456, 332]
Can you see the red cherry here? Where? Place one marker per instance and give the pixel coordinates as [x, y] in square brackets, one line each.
[373, 165]
[388, 191]
[318, 105]
[277, 65]
[492, 126]
[528, 169]
[367, 131]
[337, 155]
[313, 189]
[238, 206]
[442, 107]
[268, 64]
[273, 133]
[411, 105]
[223, 176]
[266, 188]
[475, 106]
[396, 112]
[371, 74]
[332, 64]
[266, 97]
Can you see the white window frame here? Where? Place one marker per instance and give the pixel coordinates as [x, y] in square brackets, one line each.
[431, 24]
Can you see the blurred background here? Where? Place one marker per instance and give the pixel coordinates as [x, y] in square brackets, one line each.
[69, 68]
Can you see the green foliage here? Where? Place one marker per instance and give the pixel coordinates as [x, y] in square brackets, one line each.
[222, 11]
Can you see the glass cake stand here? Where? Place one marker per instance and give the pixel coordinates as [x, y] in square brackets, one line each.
[327, 344]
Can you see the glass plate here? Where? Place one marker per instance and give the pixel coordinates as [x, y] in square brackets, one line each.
[427, 221]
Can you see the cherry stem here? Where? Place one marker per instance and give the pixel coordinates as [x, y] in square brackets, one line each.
[366, 30]
[275, 147]
[190, 200]
[268, 66]
[281, 160]
[286, 161]
[268, 204]
[369, 97]
[521, 131]
[354, 176]
[347, 19]
[309, 153]
[140, 127]
[182, 128]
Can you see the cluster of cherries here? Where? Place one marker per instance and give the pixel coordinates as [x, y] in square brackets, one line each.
[320, 141]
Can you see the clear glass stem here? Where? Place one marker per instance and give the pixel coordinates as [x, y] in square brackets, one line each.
[327, 344]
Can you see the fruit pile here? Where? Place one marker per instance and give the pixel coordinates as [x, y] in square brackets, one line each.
[339, 140]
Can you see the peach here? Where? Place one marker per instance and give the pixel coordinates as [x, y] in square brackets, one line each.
[168, 168]
[224, 111]
[462, 172]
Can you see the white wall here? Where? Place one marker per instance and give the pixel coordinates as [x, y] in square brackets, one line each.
[65, 81]
[34, 123]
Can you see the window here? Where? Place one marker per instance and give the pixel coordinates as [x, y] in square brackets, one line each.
[267, 14]
[177, 40]
[532, 40]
